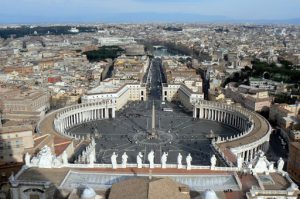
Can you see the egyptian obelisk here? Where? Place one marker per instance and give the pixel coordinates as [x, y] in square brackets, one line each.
[152, 133]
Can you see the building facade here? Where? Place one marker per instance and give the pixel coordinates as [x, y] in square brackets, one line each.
[14, 140]
[25, 104]
[118, 91]
[293, 165]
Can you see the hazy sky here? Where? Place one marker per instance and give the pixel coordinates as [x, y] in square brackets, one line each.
[93, 10]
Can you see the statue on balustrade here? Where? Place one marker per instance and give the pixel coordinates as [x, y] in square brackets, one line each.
[213, 161]
[92, 158]
[139, 160]
[280, 164]
[189, 162]
[179, 161]
[124, 160]
[114, 160]
[164, 158]
[151, 159]
[27, 159]
[65, 158]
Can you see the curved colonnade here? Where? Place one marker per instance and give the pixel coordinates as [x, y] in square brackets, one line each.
[81, 113]
[59, 121]
[255, 130]
[254, 136]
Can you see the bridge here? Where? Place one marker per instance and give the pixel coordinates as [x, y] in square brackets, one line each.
[158, 47]
[174, 56]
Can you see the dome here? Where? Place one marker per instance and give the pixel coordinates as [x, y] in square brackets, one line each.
[88, 193]
[209, 194]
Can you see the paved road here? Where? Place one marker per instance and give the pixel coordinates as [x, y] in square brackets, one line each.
[156, 80]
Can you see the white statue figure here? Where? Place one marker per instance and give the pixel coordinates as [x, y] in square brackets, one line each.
[65, 158]
[45, 157]
[179, 161]
[27, 159]
[240, 161]
[93, 142]
[189, 162]
[271, 166]
[124, 160]
[250, 166]
[164, 158]
[79, 159]
[56, 162]
[213, 161]
[151, 159]
[139, 160]
[114, 160]
[34, 161]
[91, 158]
[88, 159]
[280, 164]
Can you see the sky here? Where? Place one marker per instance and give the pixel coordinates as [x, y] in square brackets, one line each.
[31, 11]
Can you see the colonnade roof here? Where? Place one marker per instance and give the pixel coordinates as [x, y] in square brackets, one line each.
[261, 128]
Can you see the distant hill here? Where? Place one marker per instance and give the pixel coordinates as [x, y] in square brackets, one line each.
[141, 18]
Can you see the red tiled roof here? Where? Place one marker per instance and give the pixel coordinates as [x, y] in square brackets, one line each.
[60, 148]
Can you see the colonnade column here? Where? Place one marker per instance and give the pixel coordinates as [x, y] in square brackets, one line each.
[106, 113]
[113, 112]
[201, 113]
[195, 112]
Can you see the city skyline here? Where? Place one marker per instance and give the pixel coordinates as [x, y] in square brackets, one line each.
[140, 11]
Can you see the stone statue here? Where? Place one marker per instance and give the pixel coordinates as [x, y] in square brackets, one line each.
[93, 142]
[27, 159]
[56, 162]
[250, 166]
[179, 161]
[34, 161]
[124, 160]
[151, 159]
[280, 164]
[213, 161]
[45, 157]
[79, 159]
[114, 160]
[65, 158]
[88, 136]
[164, 158]
[91, 158]
[271, 166]
[240, 161]
[139, 160]
[84, 157]
[189, 162]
